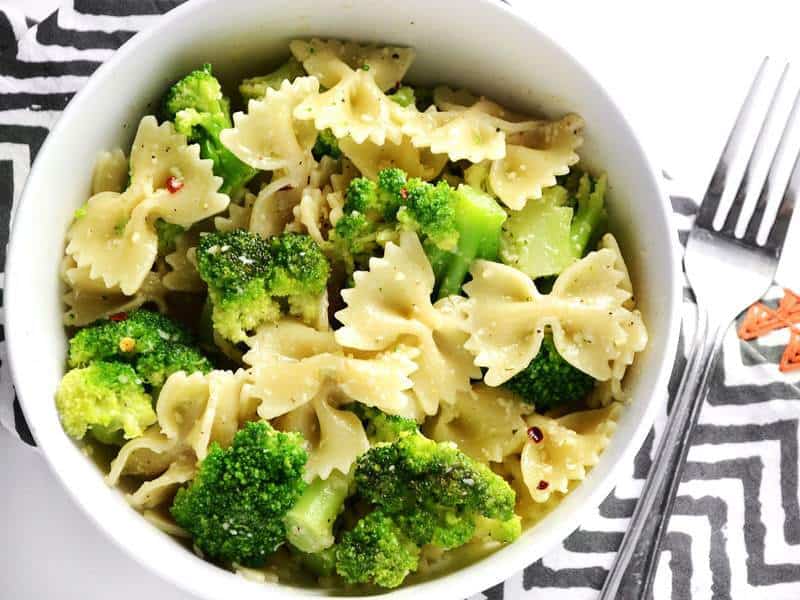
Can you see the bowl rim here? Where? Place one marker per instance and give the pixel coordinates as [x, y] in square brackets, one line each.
[482, 574]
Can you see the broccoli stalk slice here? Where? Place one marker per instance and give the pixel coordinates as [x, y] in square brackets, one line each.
[591, 219]
[200, 112]
[255, 88]
[479, 221]
[309, 524]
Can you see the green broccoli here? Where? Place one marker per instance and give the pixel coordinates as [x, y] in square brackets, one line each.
[456, 226]
[309, 523]
[591, 219]
[125, 336]
[381, 427]
[168, 233]
[404, 96]
[321, 564]
[234, 508]
[549, 380]
[106, 399]
[551, 233]
[430, 211]
[168, 358]
[376, 550]
[200, 111]
[255, 88]
[422, 492]
[249, 278]
[326, 145]
[478, 221]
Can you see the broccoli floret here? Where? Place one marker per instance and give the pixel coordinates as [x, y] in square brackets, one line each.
[168, 233]
[551, 233]
[255, 88]
[492, 530]
[478, 221]
[234, 508]
[248, 277]
[430, 211]
[422, 493]
[106, 399]
[549, 380]
[309, 524]
[404, 96]
[124, 336]
[200, 111]
[168, 358]
[381, 427]
[326, 145]
[376, 551]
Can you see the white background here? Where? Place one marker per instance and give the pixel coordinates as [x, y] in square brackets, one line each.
[678, 69]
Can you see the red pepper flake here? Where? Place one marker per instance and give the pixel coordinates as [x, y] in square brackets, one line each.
[543, 485]
[404, 193]
[535, 434]
[174, 184]
[120, 316]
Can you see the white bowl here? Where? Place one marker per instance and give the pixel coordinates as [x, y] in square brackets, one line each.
[478, 44]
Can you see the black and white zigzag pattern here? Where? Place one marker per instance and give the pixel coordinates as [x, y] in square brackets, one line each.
[735, 532]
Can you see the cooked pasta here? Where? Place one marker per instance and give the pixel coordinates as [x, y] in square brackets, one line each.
[314, 314]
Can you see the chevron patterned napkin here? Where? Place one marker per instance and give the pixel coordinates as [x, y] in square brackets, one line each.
[736, 526]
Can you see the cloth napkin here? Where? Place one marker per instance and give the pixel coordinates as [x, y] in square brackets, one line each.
[736, 525]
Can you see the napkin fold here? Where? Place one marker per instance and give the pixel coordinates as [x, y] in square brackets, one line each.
[736, 525]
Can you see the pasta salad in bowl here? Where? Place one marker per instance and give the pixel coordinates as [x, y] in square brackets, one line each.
[407, 325]
[335, 326]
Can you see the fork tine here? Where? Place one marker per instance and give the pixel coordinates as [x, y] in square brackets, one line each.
[784, 215]
[710, 203]
[751, 233]
[735, 211]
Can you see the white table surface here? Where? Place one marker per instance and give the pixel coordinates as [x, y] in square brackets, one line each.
[678, 69]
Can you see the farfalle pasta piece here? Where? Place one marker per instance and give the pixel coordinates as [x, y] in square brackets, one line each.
[568, 447]
[311, 215]
[291, 364]
[354, 107]
[114, 234]
[267, 137]
[475, 132]
[238, 216]
[273, 210]
[335, 438]
[592, 329]
[323, 59]
[198, 409]
[157, 491]
[110, 172]
[89, 299]
[371, 158]
[148, 455]
[486, 424]
[182, 275]
[521, 174]
[390, 304]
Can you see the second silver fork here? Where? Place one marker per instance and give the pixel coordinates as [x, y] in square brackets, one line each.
[727, 274]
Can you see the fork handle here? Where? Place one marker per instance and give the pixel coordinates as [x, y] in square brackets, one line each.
[640, 549]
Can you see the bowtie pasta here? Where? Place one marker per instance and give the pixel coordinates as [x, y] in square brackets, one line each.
[351, 326]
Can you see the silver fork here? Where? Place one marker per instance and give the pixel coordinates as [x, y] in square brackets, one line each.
[727, 274]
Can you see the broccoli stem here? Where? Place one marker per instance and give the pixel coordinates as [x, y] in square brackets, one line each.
[479, 221]
[309, 523]
[589, 222]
